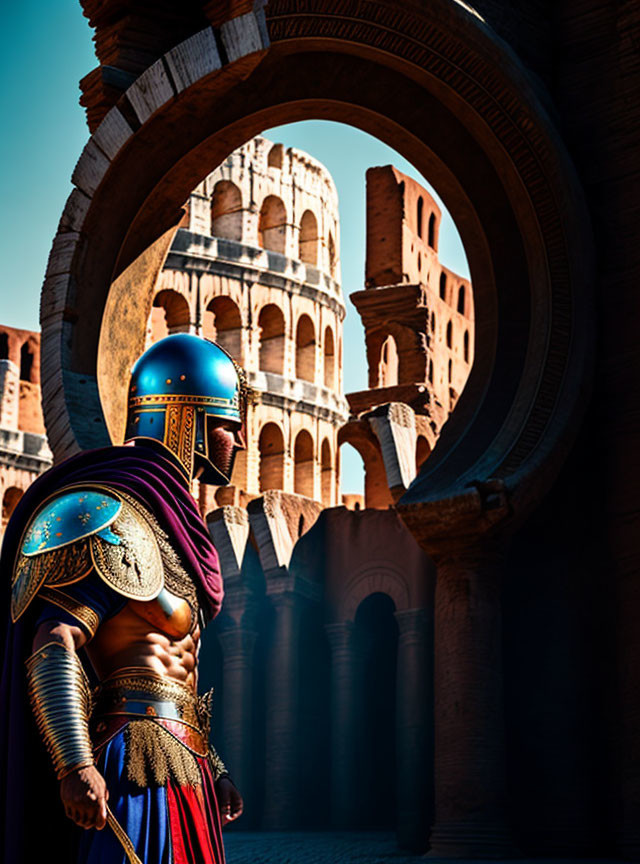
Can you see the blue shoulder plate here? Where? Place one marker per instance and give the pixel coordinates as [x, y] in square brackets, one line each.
[70, 516]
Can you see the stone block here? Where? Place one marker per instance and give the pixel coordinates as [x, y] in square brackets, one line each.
[193, 59]
[150, 91]
[395, 428]
[244, 35]
[90, 168]
[112, 133]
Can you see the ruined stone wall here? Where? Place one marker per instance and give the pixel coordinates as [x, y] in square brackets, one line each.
[24, 452]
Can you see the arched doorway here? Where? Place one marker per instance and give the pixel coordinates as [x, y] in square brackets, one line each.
[272, 339]
[271, 449]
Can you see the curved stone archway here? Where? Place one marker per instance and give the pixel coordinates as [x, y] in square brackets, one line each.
[450, 97]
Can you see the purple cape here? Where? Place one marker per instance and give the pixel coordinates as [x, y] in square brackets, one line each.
[30, 807]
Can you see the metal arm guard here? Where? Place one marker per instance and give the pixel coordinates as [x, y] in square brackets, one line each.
[61, 702]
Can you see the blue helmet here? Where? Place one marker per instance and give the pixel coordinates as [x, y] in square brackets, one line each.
[178, 387]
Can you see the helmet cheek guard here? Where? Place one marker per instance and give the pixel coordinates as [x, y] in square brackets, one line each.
[181, 387]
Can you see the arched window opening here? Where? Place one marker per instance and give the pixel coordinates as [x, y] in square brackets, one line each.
[26, 363]
[272, 225]
[4, 346]
[303, 464]
[431, 240]
[443, 286]
[450, 370]
[274, 159]
[375, 787]
[449, 335]
[271, 449]
[433, 322]
[350, 463]
[9, 502]
[226, 327]
[466, 346]
[305, 349]
[419, 262]
[388, 365]
[461, 299]
[170, 314]
[308, 243]
[326, 474]
[419, 215]
[271, 328]
[331, 249]
[430, 371]
[329, 359]
[422, 451]
[226, 211]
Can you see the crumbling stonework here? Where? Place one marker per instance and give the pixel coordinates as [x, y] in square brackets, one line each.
[24, 452]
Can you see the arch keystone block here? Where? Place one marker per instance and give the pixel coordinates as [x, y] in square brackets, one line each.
[90, 168]
[150, 91]
[193, 59]
[244, 35]
[112, 133]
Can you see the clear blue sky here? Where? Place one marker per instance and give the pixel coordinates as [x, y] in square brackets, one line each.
[45, 48]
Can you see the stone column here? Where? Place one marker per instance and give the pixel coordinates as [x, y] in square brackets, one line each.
[470, 773]
[281, 733]
[237, 645]
[414, 728]
[345, 692]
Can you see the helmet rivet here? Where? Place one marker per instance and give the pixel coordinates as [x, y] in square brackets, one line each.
[182, 377]
[168, 380]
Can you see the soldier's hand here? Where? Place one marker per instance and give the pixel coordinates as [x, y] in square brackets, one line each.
[84, 794]
[229, 800]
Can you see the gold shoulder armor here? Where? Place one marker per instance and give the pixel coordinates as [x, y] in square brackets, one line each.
[72, 535]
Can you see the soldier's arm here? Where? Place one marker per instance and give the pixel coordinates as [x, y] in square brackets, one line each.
[82, 789]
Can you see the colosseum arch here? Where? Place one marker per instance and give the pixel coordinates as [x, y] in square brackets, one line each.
[10, 500]
[305, 349]
[28, 361]
[388, 366]
[226, 326]
[170, 314]
[226, 211]
[308, 239]
[271, 450]
[271, 326]
[272, 225]
[274, 159]
[304, 464]
[329, 355]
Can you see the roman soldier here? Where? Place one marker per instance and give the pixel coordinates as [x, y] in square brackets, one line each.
[113, 577]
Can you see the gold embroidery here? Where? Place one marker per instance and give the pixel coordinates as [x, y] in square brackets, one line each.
[155, 756]
[62, 566]
[83, 613]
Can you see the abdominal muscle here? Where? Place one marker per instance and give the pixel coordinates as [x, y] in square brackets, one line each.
[136, 637]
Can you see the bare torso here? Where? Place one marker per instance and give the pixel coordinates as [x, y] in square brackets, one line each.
[154, 635]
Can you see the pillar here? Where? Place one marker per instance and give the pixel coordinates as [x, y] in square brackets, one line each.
[345, 708]
[414, 728]
[237, 645]
[281, 732]
[470, 773]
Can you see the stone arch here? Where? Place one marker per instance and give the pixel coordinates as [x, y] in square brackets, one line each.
[10, 500]
[326, 473]
[389, 364]
[226, 211]
[383, 577]
[271, 450]
[503, 178]
[170, 314]
[308, 239]
[272, 339]
[224, 325]
[274, 159]
[329, 359]
[431, 239]
[305, 349]
[272, 225]
[304, 464]
[28, 362]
